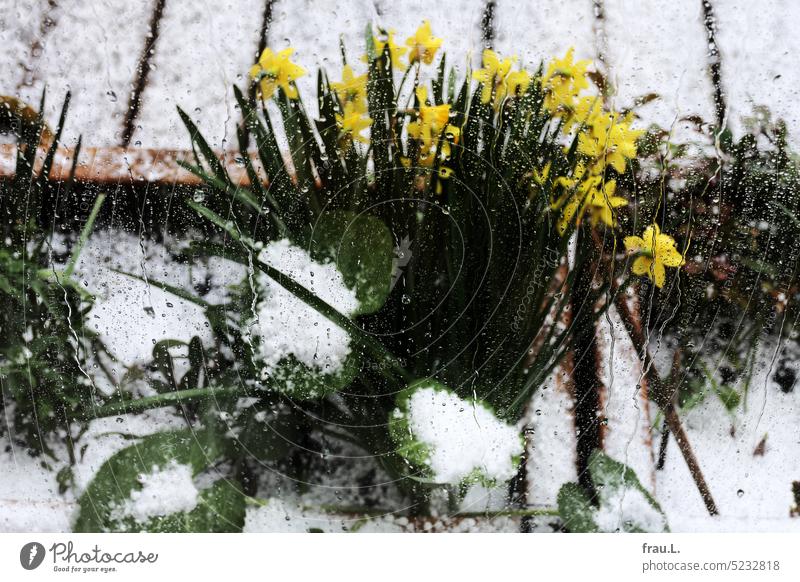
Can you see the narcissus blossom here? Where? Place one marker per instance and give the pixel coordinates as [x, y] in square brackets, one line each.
[656, 251]
[423, 45]
[274, 70]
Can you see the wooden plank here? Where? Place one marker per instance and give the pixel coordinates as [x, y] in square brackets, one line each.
[759, 45]
[204, 47]
[93, 52]
[118, 165]
[658, 47]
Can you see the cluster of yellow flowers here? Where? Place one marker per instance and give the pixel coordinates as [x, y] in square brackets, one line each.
[420, 46]
[352, 93]
[605, 138]
[430, 122]
[498, 81]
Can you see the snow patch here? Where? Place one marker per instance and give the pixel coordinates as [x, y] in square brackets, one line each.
[628, 505]
[287, 326]
[165, 491]
[462, 437]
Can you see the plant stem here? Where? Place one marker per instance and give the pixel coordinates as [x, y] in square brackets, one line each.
[160, 400]
[665, 402]
[87, 230]
[533, 512]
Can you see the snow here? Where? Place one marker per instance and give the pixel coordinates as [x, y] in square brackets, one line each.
[29, 491]
[288, 326]
[102, 39]
[664, 54]
[758, 46]
[461, 437]
[130, 315]
[29, 498]
[164, 491]
[752, 488]
[627, 507]
[314, 32]
[627, 412]
[540, 31]
[551, 440]
[20, 30]
[204, 48]
[460, 29]
[277, 516]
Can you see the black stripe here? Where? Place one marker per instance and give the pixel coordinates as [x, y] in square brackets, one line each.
[714, 62]
[487, 24]
[135, 102]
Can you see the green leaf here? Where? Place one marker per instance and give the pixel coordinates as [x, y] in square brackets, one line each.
[119, 476]
[614, 483]
[575, 509]
[362, 248]
[623, 504]
[295, 379]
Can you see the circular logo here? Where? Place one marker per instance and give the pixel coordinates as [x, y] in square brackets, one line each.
[31, 555]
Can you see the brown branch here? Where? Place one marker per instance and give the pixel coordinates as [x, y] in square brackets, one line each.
[662, 396]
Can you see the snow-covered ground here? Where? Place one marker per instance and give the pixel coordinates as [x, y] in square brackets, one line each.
[749, 457]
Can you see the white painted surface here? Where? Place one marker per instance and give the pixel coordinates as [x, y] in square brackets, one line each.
[551, 440]
[626, 409]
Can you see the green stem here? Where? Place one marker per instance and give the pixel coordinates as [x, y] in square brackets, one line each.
[87, 230]
[161, 400]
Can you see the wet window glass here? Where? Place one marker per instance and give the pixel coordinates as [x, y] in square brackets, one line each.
[278, 266]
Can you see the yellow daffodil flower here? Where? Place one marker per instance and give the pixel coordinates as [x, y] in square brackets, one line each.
[610, 140]
[584, 113]
[352, 123]
[562, 83]
[518, 82]
[423, 45]
[452, 135]
[431, 121]
[585, 192]
[601, 203]
[396, 52]
[352, 89]
[657, 251]
[276, 70]
[493, 77]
